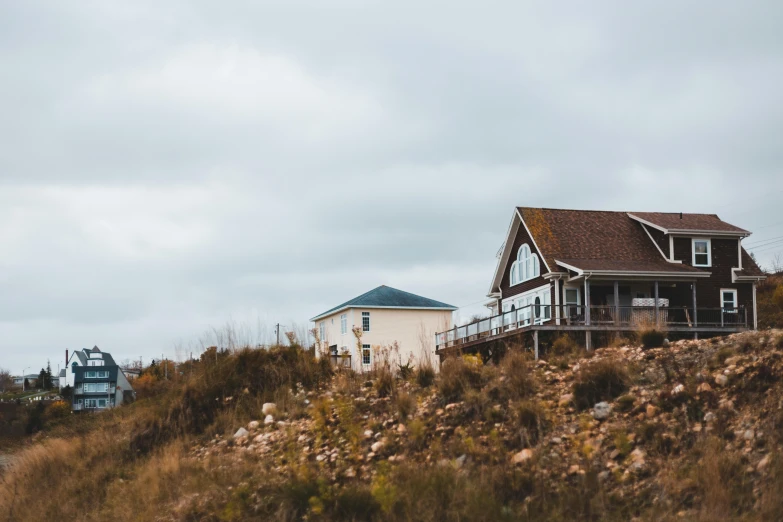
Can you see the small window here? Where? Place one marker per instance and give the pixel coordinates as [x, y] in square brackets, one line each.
[333, 349]
[101, 403]
[344, 324]
[89, 375]
[322, 330]
[702, 255]
[365, 321]
[728, 298]
[366, 355]
[572, 296]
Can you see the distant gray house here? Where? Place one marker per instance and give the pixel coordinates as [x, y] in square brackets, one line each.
[96, 380]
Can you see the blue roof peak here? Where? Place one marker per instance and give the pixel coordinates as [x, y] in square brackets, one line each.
[388, 297]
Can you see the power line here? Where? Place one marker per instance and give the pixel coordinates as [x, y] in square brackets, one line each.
[757, 243]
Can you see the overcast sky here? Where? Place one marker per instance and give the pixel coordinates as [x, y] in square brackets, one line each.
[169, 167]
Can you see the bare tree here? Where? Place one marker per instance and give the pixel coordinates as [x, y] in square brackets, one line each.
[6, 380]
[777, 263]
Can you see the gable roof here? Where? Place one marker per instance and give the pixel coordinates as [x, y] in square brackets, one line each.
[84, 355]
[673, 222]
[388, 297]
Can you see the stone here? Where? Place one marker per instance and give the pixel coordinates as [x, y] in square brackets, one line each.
[460, 461]
[704, 387]
[721, 380]
[253, 425]
[522, 456]
[401, 429]
[269, 408]
[709, 417]
[367, 434]
[651, 411]
[565, 400]
[377, 446]
[241, 432]
[574, 469]
[556, 440]
[350, 473]
[602, 410]
[748, 435]
[320, 458]
[678, 389]
[269, 420]
[763, 463]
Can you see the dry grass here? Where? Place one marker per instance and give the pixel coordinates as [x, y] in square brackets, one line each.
[457, 375]
[601, 380]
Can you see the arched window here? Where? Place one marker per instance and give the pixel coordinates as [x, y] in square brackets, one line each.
[525, 267]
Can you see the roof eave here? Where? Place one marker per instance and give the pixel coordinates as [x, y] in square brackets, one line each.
[374, 307]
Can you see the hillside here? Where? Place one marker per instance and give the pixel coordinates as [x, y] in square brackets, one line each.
[691, 431]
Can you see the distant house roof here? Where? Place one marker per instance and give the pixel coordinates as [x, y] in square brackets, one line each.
[388, 297]
[676, 222]
[62, 373]
[84, 356]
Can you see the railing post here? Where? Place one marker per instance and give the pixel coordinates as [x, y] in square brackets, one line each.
[535, 342]
[587, 302]
[746, 316]
[695, 309]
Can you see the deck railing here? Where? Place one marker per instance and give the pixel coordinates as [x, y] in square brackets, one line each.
[341, 360]
[622, 317]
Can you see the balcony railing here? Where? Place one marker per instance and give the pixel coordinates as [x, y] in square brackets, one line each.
[622, 317]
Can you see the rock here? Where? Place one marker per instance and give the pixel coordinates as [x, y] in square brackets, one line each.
[709, 417]
[320, 458]
[748, 435]
[678, 389]
[651, 411]
[269, 420]
[377, 446]
[241, 432]
[565, 400]
[522, 456]
[721, 380]
[350, 473]
[269, 408]
[253, 425]
[602, 410]
[460, 461]
[574, 469]
[763, 463]
[556, 440]
[704, 387]
[401, 428]
[367, 434]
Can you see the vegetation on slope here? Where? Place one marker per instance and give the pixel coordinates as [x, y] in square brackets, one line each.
[692, 431]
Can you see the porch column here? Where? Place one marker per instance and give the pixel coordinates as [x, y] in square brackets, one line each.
[755, 315]
[617, 302]
[695, 310]
[656, 304]
[557, 302]
[587, 302]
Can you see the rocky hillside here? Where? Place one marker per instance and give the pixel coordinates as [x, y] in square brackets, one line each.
[690, 431]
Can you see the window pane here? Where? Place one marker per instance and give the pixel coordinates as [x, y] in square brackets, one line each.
[700, 247]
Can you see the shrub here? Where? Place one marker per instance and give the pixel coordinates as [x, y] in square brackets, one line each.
[457, 375]
[384, 382]
[563, 345]
[517, 382]
[602, 380]
[651, 338]
[405, 370]
[58, 410]
[425, 375]
[405, 405]
[531, 422]
[477, 404]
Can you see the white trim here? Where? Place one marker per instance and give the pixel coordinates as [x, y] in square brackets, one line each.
[334, 312]
[719, 233]
[648, 223]
[630, 273]
[569, 267]
[654, 242]
[498, 277]
[557, 301]
[361, 355]
[543, 257]
[732, 290]
[739, 252]
[693, 252]
[671, 249]
[520, 266]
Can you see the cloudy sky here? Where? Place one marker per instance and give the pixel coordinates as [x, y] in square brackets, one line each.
[171, 167]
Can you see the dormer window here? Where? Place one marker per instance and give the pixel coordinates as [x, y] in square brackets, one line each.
[526, 266]
[702, 252]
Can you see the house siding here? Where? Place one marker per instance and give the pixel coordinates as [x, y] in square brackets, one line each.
[506, 289]
[659, 238]
[724, 258]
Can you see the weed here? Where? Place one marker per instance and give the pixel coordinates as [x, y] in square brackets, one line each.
[457, 375]
[406, 405]
[598, 381]
[651, 338]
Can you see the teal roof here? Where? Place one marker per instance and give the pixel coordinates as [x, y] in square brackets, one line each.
[388, 297]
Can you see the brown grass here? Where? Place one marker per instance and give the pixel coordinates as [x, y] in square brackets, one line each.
[601, 380]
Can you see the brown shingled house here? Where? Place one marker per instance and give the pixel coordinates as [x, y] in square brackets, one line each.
[687, 273]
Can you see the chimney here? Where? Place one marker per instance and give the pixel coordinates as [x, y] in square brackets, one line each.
[680, 215]
[66, 357]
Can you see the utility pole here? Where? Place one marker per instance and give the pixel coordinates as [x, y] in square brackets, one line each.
[277, 332]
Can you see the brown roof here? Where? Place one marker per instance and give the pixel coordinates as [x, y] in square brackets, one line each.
[702, 222]
[630, 266]
[589, 235]
[749, 266]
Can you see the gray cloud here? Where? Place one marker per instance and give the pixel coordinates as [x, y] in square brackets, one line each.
[164, 169]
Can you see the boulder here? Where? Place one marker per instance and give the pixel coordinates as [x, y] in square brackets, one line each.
[721, 380]
[253, 425]
[269, 420]
[377, 446]
[241, 432]
[269, 408]
[602, 410]
[522, 456]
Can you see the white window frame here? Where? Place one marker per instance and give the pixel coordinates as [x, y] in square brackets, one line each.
[695, 240]
[723, 302]
[365, 315]
[344, 324]
[103, 374]
[90, 375]
[322, 330]
[526, 267]
[366, 348]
